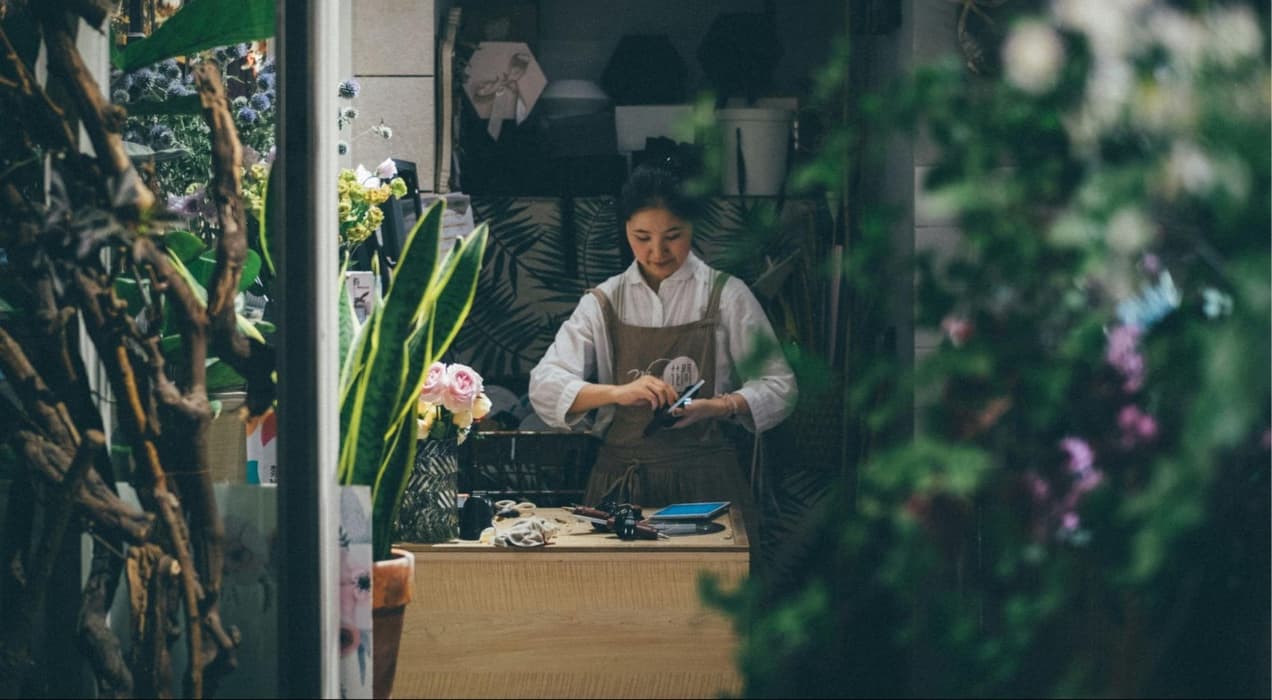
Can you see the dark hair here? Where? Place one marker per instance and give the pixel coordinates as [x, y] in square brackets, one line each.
[652, 186]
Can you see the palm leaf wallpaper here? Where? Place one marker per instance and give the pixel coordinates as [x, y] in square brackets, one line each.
[544, 253]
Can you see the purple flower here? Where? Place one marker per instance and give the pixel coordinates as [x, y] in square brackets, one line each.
[247, 115]
[1039, 489]
[1137, 427]
[1081, 457]
[1151, 263]
[350, 88]
[265, 81]
[1070, 521]
[1123, 355]
[260, 102]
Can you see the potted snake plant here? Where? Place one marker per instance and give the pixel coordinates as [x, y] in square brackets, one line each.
[383, 368]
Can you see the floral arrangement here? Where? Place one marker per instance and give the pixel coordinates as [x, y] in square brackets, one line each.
[361, 192]
[451, 400]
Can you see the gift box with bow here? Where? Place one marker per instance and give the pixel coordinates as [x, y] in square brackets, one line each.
[503, 81]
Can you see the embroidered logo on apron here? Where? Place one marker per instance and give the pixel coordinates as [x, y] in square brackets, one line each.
[681, 372]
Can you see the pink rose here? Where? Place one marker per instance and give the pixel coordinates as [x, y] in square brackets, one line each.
[463, 384]
[435, 384]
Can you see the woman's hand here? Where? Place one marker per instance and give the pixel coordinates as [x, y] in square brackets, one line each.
[646, 390]
[699, 410]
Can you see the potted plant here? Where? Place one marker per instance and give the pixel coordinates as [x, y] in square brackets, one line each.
[384, 366]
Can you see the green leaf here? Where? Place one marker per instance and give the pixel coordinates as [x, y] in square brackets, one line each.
[390, 484]
[185, 244]
[370, 416]
[220, 377]
[270, 196]
[199, 25]
[185, 104]
[457, 289]
[125, 288]
[251, 268]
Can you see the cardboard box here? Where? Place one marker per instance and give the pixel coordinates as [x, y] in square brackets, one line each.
[635, 123]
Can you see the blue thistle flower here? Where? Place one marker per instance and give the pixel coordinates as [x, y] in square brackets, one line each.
[119, 96]
[265, 81]
[238, 50]
[178, 90]
[170, 68]
[260, 102]
[350, 88]
[247, 115]
[161, 136]
[143, 79]
[239, 101]
[267, 66]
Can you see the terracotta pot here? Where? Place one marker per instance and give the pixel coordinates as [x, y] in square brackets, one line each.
[392, 582]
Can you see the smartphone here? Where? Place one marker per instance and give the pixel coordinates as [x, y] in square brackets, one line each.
[663, 418]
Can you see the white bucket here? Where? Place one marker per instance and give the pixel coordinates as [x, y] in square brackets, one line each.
[764, 134]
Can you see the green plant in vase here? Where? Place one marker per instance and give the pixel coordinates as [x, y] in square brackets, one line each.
[385, 363]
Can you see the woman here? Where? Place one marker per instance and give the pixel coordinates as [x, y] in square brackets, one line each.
[640, 338]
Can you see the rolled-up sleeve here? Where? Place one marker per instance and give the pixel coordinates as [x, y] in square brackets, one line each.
[770, 392]
[567, 366]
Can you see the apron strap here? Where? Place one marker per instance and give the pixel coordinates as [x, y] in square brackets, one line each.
[713, 303]
[607, 311]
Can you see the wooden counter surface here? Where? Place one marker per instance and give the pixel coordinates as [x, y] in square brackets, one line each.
[590, 616]
[579, 536]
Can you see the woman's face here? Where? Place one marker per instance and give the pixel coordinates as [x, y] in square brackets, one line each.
[660, 242]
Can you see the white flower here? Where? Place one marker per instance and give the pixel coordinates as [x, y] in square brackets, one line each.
[1129, 230]
[1189, 169]
[1033, 56]
[386, 170]
[1182, 36]
[365, 178]
[1234, 35]
[463, 419]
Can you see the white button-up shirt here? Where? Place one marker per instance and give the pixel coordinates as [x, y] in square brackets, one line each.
[581, 352]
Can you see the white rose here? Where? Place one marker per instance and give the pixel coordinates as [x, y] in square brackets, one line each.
[386, 170]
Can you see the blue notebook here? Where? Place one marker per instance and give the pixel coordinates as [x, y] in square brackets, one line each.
[691, 511]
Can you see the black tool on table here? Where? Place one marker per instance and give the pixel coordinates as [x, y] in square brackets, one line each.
[663, 418]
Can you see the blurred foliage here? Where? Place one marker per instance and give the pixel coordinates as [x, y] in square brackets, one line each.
[1083, 507]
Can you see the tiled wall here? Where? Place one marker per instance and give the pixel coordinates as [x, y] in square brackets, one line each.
[392, 53]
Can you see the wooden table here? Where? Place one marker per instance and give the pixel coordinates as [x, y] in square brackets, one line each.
[589, 616]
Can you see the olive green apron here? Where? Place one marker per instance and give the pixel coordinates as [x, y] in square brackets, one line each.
[695, 463]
